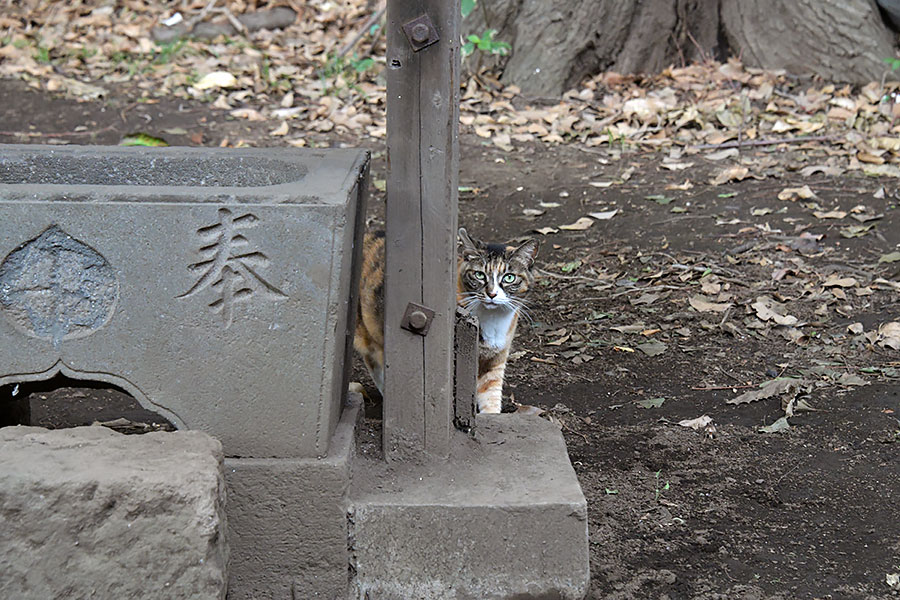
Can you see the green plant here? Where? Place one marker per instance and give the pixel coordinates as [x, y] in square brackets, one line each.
[166, 52]
[660, 489]
[42, 54]
[340, 73]
[893, 63]
[485, 43]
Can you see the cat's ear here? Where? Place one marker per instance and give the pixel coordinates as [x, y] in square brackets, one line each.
[468, 245]
[526, 253]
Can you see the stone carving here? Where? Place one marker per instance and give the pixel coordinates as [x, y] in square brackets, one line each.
[229, 266]
[55, 287]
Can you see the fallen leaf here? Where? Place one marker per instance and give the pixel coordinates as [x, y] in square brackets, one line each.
[676, 166]
[893, 580]
[769, 310]
[560, 341]
[282, 129]
[546, 230]
[247, 113]
[723, 154]
[142, 139]
[855, 231]
[696, 424]
[838, 281]
[650, 402]
[831, 171]
[659, 199]
[779, 425]
[604, 215]
[703, 304]
[775, 387]
[601, 184]
[889, 335]
[851, 379]
[802, 193]
[579, 225]
[891, 257]
[216, 79]
[730, 174]
[759, 212]
[653, 348]
[832, 214]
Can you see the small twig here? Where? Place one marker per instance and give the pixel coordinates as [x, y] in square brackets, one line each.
[723, 387]
[572, 277]
[362, 31]
[201, 15]
[768, 142]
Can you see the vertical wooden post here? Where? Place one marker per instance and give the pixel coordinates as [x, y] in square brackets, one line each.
[421, 222]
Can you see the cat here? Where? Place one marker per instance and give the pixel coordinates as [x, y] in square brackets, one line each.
[492, 282]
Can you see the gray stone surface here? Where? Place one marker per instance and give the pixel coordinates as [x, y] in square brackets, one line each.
[504, 518]
[210, 284]
[90, 513]
[287, 522]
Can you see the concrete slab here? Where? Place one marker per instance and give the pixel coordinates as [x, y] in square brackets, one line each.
[503, 518]
[91, 513]
[213, 285]
[287, 521]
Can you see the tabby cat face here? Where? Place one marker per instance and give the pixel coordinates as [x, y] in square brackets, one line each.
[495, 275]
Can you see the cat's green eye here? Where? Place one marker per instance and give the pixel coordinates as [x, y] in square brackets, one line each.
[509, 278]
[480, 276]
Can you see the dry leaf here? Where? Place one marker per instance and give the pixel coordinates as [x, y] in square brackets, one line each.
[605, 215]
[546, 230]
[889, 335]
[838, 281]
[802, 193]
[282, 129]
[703, 304]
[766, 311]
[696, 424]
[730, 174]
[216, 79]
[775, 387]
[579, 225]
[832, 214]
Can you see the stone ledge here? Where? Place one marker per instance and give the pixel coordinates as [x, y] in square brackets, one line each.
[91, 513]
[503, 518]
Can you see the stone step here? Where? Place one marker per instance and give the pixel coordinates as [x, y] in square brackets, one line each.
[503, 518]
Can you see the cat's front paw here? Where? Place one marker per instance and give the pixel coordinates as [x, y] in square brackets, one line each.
[489, 404]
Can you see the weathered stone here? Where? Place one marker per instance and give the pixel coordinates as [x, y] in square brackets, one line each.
[287, 521]
[504, 519]
[90, 513]
[213, 285]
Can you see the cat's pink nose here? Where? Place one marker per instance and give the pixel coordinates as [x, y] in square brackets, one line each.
[492, 294]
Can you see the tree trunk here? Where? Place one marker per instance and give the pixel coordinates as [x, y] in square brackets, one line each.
[556, 44]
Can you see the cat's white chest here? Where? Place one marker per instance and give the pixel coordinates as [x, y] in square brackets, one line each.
[494, 324]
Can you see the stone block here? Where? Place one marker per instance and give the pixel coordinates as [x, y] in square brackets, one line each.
[91, 513]
[504, 518]
[287, 522]
[213, 285]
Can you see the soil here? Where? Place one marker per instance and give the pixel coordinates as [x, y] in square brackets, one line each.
[722, 512]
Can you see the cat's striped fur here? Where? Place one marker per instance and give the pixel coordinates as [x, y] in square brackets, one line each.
[492, 280]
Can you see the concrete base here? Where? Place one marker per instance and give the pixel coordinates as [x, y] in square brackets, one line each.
[503, 518]
[287, 521]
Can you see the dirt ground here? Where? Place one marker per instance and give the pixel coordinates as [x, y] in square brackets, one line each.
[660, 313]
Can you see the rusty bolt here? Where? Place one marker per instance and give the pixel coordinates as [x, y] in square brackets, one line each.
[418, 319]
[420, 33]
